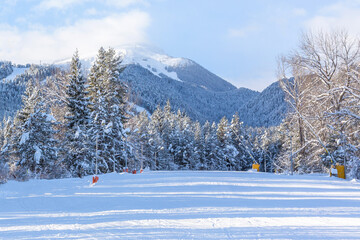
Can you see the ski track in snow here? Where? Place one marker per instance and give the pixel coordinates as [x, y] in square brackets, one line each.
[182, 205]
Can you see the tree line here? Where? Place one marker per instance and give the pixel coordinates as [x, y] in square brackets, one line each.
[66, 122]
[70, 121]
[167, 140]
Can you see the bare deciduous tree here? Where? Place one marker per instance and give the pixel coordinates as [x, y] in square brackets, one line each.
[324, 93]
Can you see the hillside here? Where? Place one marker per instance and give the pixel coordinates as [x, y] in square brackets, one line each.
[155, 77]
[149, 90]
[12, 85]
[265, 109]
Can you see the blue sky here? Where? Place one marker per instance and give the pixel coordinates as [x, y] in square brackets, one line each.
[236, 39]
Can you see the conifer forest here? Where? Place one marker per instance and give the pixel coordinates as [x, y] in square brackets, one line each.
[73, 123]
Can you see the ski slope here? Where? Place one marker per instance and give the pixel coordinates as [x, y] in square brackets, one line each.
[182, 205]
[16, 71]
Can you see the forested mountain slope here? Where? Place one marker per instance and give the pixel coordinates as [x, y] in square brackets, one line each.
[155, 77]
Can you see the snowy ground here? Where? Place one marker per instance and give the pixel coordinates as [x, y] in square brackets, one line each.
[182, 205]
[16, 71]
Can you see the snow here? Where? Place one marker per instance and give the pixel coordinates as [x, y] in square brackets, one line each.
[77, 133]
[50, 118]
[182, 205]
[37, 155]
[148, 57]
[16, 71]
[24, 137]
[153, 60]
[138, 108]
[108, 127]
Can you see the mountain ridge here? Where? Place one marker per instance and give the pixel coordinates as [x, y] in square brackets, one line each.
[154, 77]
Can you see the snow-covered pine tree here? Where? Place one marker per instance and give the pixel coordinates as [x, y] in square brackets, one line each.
[108, 107]
[197, 156]
[159, 148]
[98, 113]
[182, 139]
[14, 129]
[7, 145]
[237, 139]
[116, 100]
[29, 99]
[211, 146]
[206, 131]
[37, 147]
[271, 143]
[33, 148]
[224, 150]
[2, 133]
[138, 139]
[78, 159]
[4, 171]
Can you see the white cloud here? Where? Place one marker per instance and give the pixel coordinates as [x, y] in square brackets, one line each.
[38, 44]
[300, 12]
[125, 3]
[58, 4]
[91, 12]
[63, 4]
[341, 15]
[6, 5]
[243, 32]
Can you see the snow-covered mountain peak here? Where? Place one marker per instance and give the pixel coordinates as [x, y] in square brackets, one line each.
[153, 59]
[138, 53]
[148, 57]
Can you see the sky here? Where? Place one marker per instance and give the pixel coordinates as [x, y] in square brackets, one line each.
[238, 40]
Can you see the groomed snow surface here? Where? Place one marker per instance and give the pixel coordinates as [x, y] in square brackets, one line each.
[182, 205]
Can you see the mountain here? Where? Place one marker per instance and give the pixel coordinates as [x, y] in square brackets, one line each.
[163, 66]
[181, 69]
[149, 90]
[154, 77]
[13, 81]
[266, 109]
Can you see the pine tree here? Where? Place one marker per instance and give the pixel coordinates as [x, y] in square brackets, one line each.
[2, 139]
[139, 140]
[29, 99]
[160, 149]
[37, 148]
[198, 147]
[237, 139]
[32, 149]
[211, 146]
[108, 109]
[207, 135]
[222, 130]
[78, 158]
[182, 143]
[116, 107]
[15, 129]
[4, 170]
[222, 134]
[7, 145]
